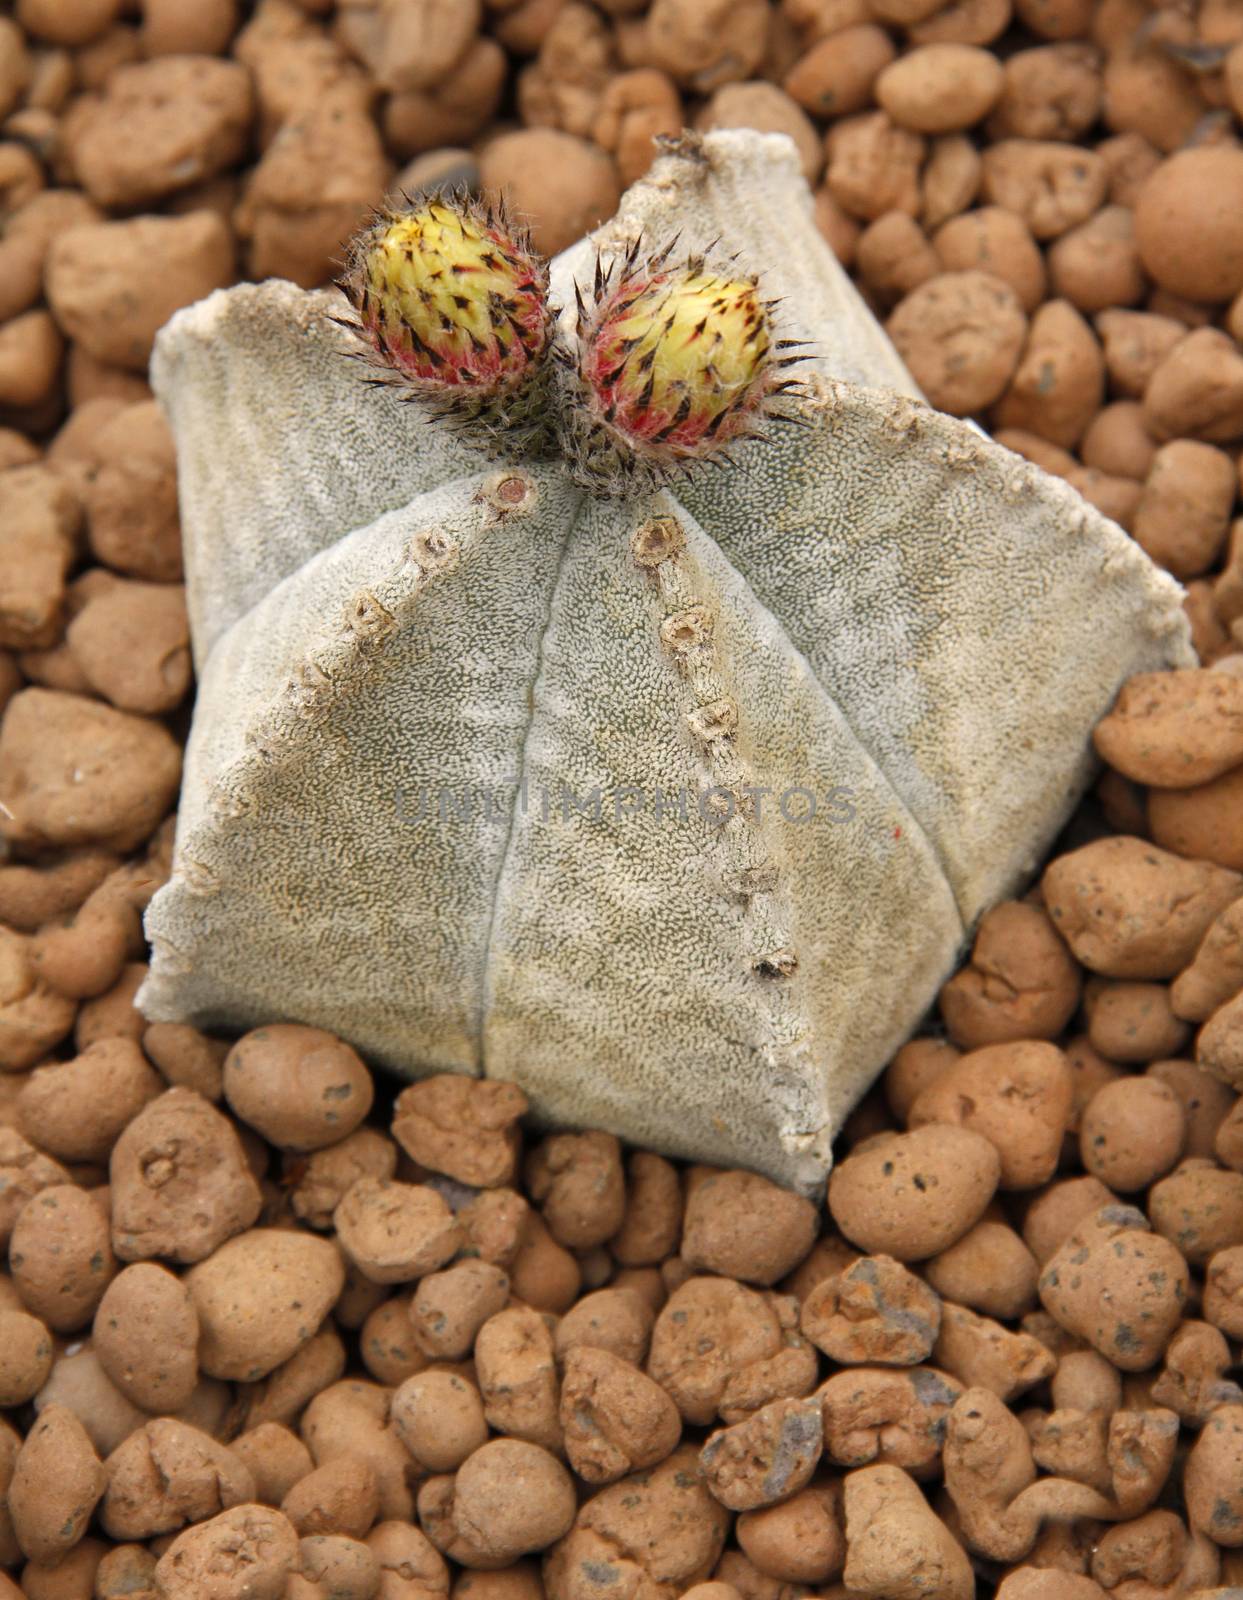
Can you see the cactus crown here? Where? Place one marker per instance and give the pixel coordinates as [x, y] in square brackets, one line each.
[668, 364]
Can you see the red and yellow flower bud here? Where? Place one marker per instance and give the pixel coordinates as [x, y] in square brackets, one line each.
[679, 359]
[452, 302]
[674, 363]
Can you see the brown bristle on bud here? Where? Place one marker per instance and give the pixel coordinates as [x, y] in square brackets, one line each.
[453, 305]
[674, 363]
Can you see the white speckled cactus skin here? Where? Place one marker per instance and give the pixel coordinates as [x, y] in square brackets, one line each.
[881, 602]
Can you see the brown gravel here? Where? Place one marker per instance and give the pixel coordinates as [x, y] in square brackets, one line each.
[262, 1339]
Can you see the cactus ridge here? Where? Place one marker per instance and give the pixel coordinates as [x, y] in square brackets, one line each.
[451, 307]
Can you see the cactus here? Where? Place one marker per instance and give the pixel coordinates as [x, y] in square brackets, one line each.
[674, 802]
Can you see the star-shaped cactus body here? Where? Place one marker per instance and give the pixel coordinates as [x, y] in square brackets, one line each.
[673, 802]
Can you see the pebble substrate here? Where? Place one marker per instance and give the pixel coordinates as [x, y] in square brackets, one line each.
[264, 1336]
